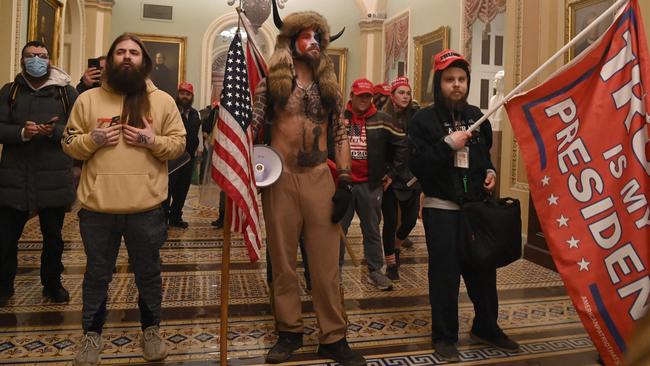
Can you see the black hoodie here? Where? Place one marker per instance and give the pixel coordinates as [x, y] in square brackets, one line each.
[432, 159]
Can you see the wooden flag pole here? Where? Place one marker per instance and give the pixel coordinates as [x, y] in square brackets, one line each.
[355, 261]
[225, 288]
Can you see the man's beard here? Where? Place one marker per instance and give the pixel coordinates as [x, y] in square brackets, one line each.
[125, 80]
[183, 103]
[456, 105]
[33, 80]
[306, 58]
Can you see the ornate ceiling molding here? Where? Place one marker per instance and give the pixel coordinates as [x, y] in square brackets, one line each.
[376, 25]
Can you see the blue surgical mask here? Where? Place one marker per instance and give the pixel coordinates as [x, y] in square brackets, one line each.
[36, 66]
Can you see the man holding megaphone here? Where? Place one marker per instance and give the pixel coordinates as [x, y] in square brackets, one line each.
[301, 102]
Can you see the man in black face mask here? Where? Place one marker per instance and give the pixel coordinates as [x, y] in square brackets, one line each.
[35, 174]
[179, 180]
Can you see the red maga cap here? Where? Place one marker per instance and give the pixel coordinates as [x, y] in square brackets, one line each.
[187, 87]
[362, 86]
[400, 81]
[382, 88]
[446, 58]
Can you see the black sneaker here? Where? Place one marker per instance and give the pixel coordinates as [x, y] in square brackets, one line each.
[447, 351]
[5, 295]
[392, 272]
[56, 294]
[217, 223]
[179, 223]
[281, 351]
[501, 342]
[341, 352]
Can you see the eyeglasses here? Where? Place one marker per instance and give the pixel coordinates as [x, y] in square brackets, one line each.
[44, 56]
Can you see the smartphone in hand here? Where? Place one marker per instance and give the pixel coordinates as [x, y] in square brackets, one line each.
[52, 120]
[93, 62]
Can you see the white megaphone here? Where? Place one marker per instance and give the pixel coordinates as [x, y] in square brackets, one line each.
[267, 165]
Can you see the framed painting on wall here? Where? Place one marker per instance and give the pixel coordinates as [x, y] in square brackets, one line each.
[426, 48]
[168, 55]
[396, 46]
[339, 57]
[579, 14]
[45, 25]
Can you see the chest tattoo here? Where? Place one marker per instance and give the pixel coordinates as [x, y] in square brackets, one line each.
[311, 155]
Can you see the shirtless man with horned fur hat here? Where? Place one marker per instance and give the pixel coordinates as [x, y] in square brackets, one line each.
[299, 104]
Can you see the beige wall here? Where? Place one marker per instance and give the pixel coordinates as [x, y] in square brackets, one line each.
[7, 35]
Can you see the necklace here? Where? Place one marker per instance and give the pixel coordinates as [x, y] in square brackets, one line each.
[303, 88]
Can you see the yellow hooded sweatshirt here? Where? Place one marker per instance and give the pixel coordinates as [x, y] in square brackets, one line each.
[122, 179]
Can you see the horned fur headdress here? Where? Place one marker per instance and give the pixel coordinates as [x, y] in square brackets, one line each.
[281, 69]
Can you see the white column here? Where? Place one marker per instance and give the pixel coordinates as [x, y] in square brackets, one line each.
[371, 49]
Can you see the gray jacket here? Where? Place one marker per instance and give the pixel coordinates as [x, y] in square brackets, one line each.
[36, 173]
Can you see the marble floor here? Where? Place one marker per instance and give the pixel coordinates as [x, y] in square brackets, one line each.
[389, 328]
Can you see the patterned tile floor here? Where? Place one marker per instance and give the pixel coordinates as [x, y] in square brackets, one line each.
[389, 328]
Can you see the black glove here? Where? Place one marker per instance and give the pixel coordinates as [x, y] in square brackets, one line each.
[342, 200]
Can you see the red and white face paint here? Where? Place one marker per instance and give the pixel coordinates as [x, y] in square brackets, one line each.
[308, 44]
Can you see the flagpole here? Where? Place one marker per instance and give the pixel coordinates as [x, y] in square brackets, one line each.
[225, 286]
[551, 60]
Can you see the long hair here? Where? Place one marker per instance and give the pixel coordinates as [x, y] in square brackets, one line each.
[136, 102]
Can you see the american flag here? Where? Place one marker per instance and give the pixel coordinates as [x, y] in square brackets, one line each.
[231, 161]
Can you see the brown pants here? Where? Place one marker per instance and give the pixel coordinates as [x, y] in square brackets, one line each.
[295, 205]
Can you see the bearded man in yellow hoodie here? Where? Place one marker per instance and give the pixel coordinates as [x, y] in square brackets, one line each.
[124, 131]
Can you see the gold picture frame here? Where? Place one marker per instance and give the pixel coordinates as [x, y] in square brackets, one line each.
[169, 71]
[339, 57]
[578, 14]
[44, 25]
[426, 47]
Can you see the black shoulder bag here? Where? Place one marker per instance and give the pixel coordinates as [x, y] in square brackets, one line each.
[493, 232]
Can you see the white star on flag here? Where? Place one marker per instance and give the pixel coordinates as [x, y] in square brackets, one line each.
[573, 242]
[584, 265]
[545, 180]
[563, 221]
[552, 199]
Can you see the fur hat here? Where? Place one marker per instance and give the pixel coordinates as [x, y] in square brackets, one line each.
[281, 69]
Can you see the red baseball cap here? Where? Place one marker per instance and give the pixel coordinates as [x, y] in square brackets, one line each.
[362, 86]
[382, 88]
[400, 81]
[447, 57]
[187, 87]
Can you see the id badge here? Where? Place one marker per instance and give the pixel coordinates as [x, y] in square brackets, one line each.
[461, 159]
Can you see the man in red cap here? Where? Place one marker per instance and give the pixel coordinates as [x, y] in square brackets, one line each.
[453, 167]
[180, 179]
[381, 94]
[376, 143]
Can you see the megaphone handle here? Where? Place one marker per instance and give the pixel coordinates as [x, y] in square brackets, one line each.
[347, 247]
